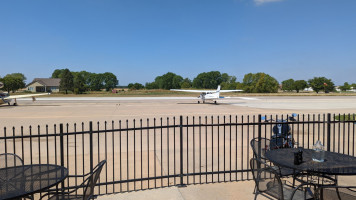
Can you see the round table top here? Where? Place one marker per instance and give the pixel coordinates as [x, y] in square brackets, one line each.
[24, 180]
[334, 164]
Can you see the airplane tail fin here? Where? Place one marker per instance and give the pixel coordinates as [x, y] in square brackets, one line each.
[218, 91]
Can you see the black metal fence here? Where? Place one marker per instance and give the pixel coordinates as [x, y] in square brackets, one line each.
[153, 153]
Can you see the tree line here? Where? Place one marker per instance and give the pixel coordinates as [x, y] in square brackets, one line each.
[251, 83]
[258, 82]
[79, 82]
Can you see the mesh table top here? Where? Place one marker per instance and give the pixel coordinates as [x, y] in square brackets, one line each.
[334, 164]
[28, 179]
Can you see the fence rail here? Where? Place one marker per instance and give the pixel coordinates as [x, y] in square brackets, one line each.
[152, 153]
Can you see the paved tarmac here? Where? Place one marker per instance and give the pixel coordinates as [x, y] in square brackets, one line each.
[51, 110]
[55, 110]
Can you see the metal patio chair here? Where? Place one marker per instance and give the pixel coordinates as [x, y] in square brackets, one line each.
[263, 145]
[336, 193]
[10, 160]
[88, 187]
[268, 182]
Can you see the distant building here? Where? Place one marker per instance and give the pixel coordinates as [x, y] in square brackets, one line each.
[44, 85]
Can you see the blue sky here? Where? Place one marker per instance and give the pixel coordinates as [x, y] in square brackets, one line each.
[138, 40]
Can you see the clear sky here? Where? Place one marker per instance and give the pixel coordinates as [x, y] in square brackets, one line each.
[138, 40]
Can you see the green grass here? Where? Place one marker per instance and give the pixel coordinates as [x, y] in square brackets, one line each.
[351, 117]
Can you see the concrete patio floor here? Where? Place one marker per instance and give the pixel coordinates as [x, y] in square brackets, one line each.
[216, 191]
[240, 190]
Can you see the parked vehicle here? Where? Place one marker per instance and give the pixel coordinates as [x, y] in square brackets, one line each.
[282, 136]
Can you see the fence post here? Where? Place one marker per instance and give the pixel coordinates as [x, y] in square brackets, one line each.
[259, 135]
[61, 146]
[91, 145]
[181, 150]
[328, 131]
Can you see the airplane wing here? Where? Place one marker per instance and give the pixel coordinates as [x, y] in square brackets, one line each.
[197, 91]
[25, 96]
[231, 90]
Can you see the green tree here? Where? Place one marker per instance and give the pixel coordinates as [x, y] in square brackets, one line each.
[151, 86]
[288, 85]
[13, 82]
[345, 87]
[260, 83]
[321, 83]
[110, 81]
[66, 82]
[96, 82]
[300, 85]
[92, 81]
[79, 83]
[169, 81]
[57, 73]
[228, 82]
[135, 86]
[86, 76]
[208, 80]
[187, 83]
[228, 79]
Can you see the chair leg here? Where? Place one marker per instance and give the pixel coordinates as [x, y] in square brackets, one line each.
[256, 195]
[294, 175]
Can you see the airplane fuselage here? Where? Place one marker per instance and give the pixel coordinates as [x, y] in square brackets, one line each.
[209, 96]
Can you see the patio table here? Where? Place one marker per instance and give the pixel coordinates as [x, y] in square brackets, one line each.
[334, 164]
[20, 181]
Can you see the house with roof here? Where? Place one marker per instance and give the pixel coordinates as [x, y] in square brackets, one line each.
[44, 85]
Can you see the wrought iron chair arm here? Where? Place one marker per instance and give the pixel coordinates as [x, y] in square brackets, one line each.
[83, 175]
[63, 190]
[76, 176]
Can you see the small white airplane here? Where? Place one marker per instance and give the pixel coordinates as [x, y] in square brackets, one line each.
[6, 98]
[206, 95]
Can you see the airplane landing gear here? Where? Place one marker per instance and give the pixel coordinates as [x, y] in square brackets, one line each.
[15, 104]
[215, 102]
[198, 102]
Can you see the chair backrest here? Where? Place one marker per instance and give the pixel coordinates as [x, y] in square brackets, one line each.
[10, 160]
[266, 178]
[92, 179]
[259, 147]
[336, 193]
